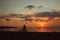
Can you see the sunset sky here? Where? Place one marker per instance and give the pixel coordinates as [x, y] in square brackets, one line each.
[17, 6]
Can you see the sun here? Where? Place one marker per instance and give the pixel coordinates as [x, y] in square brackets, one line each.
[42, 24]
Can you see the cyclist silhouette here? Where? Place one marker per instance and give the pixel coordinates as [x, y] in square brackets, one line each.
[24, 28]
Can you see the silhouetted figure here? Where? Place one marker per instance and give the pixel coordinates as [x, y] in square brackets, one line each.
[24, 28]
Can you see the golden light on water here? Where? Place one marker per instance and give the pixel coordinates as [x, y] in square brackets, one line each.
[42, 24]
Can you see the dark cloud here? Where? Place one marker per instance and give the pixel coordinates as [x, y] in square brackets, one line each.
[51, 15]
[30, 6]
[27, 17]
[40, 6]
[43, 14]
[47, 14]
[16, 15]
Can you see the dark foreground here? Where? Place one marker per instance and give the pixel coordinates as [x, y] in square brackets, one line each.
[9, 35]
[30, 35]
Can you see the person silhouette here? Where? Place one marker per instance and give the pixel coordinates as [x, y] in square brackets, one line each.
[24, 28]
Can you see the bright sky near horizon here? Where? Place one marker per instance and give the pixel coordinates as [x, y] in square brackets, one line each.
[17, 6]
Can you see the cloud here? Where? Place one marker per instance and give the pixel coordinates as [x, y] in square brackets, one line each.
[15, 15]
[27, 17]
[30, 6]
[40, 6]
[47, 14]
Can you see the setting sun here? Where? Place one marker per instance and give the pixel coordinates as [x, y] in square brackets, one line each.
[42, 24]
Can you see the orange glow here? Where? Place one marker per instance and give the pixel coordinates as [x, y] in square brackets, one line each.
[44, 18]
[42, 24]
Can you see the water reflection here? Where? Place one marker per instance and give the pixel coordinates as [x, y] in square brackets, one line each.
[33, 29]
[43, 29]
